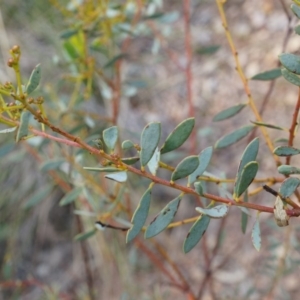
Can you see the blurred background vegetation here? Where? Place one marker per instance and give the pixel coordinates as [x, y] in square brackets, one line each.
[120, 62]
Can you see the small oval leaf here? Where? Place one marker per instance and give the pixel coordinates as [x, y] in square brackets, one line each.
[196, 232]
[215, 212]
[244, 220]
[248, 155]
[140, 215]
[23, 127]
[289, 186]
[149, 141]
[130, 160]
[34, 79]
[288, 170]
[164, 218]
[119, 176]
[187, 166]
[286, 151]
[199, 188]
[290, 77]
[228, 112]
[233, 137]
[268, 75]
[244, 180]
[126, 145]
[178, 136]
[110, 137]
[256, 238]
[290, 62]
[204, 158]
[85, 235]
[70, 196]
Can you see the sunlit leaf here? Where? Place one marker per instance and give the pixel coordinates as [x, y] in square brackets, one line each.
[196, 232]
[215, 212]
[228, 112]
[8, 130]
[153, 163]
[85, 235]
[110, 137]
[70, 196]
[119, 176]
[186, 167]
[164, 218]
[256, 238]
[149, 140]
[290, 77]
[288, 170]
[34, 79]
[233, 137]
[268, 75]
[140, 215]
[290, 62]
[286, 151]
[178, 136]
[23, 127]
[245, 179]
[289, 186]
[204, 159]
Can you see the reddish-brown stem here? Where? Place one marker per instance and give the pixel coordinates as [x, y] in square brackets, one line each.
[293, 126]
[188, 67]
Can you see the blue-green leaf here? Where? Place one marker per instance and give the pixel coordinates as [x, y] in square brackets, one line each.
[130, 160]
[196, 232]
[290, 62]
[215, 212]
[149, 141]
[248, 155]
[119, 176]
[23, 127]
[126, 145]
[233, 137]
[110, 137]
[288, 170]
[267, 125]
[199, 188]
[164, 218]
[51, 164]
[204, 158]
[290, 77]
[70, 196]
[140, 215]
[244, 220]
[228, 112]
[286, 151]
[85, 235]
[38, 196]
[245, 179]
[268, 75]
[256, 238]
[105, 169]
[289, 186]
[178, 136]
[296, 10]
[34, 79]
[208, 50]
[186, 167]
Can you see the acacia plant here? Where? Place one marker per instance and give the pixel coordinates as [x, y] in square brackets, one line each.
[95, 52]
